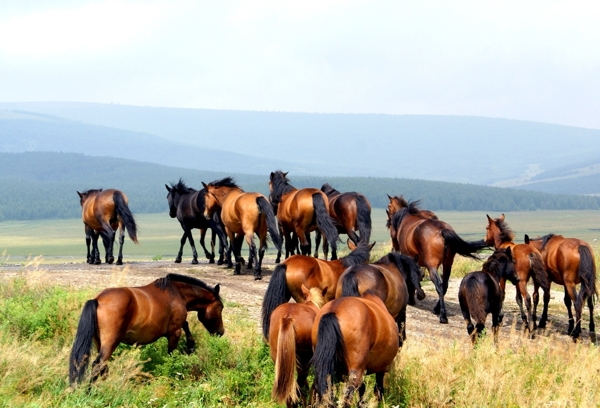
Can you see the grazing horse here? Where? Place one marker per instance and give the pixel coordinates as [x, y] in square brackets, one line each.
[351, 213]
[187, 205]
[142, 315]
[433, 243]
[300, 212]
[569, 262]
[290, 343]
[102, 212]
[353, 337]
[289, 276]
[480, 293]
[394, 278]
[242, 214]
[528, 263]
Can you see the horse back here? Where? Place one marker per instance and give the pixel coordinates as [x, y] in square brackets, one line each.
[297, 207]
[240, 212]
[100, 208]
[562, 258]
[312, 272]
[421, 236]
[303, 316]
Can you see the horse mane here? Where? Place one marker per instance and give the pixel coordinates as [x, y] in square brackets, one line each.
[181, 188]
[359, 256]
[91, 191]
[280, 185]
[327, 189]
[317, 297]
[401, 200]
[545, 239]
[225, 182]
[164, 283]
[506, 234]
[492, 265]
[412, 208]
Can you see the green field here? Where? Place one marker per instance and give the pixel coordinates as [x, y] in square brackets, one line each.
[159, 235]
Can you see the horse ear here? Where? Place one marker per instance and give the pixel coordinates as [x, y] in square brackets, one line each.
[372, 245]
[489, 219]
[168, 188]
[351, 245]
[271, 175]
[502, 217]
[390, 197]
[204, 185]
[285, 174]
[217, 288]
[79, 194]
[526, 239]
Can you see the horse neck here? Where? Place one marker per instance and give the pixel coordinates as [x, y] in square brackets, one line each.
[193, 296]
[223, 193]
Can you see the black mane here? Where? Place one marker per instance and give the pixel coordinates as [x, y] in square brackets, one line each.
[495, 262]
[163, 283]
[181, 188]
[411, 208]
[91, 191]
[280, 185]
[226, 182]
[327, 189]
[545, 239]
[360, 255]
[402, 201]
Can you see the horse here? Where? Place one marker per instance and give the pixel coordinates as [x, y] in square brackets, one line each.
[142, 315]
[300, 212]
[433, 243]
[353, 337]
[187, 205]
[480, 293]
[394, 278]
[399, 202]
[242, 214]
[351, 213]
[102, 212]
[528, 263]
[290, 344]
[289, 276]
[569, 262]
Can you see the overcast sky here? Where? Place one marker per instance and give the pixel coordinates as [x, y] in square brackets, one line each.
[530, 60]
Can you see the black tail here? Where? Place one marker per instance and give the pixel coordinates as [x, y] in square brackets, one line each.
[350, 284]
[538, 271]
[330, 353]
[125, 214]
[363, 218]
[267, 209]
[324, 221]
[462, 247]
[587, 274]
[411, 272]
[82, 346]
[277, 294]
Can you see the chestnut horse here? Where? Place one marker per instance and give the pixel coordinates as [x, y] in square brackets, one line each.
[569, 262]
[142, 315]
[187, 205]
[394, 278]
[300, 212]
[242, 214]
[351, 213]
[289, 276]
[433, 243]
[102, 212]
[353, 337]
[528, 263]
[291, 345]
[480, 293]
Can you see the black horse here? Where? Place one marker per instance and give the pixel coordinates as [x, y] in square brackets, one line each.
[187, 205]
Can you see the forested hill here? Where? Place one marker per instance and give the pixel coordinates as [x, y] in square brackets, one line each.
[37, 185]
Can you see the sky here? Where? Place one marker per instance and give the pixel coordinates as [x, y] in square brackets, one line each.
[526, 60]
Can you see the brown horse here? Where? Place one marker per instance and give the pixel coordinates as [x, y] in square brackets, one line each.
[353, 337]
[399, 202]
[528, 263]
[351, 213]
[243, 215]
[102, 212]
[300, 212]
[433, 243]
[142, 315]
[394, 278]
[290, 343]
[569, 262]
[289, 276]
[480, 293]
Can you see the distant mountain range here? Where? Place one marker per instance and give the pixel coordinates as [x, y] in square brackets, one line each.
[498, 152]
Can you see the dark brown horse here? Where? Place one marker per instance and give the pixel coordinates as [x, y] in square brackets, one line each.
[569, 262]
[528, 263]
[102, 212]
[289, 276]
[480, 293]
[399, 202]
[290, 343]
[300, 212]
[142, 315]
[187, 205]
[394, 278]
[351, 214]
[353, 337]
[433, 243]
[243, 214]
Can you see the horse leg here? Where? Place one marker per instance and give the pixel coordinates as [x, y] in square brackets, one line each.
[355, 379]
[401, 322]
[221, 260]
[208, 255]
[190, 238]
[440, 305]
[108, 239]
[525, 314]
[574, 324]
[466, 313]
[237, 248]
[121, 242]
[544, 316]
[304, 242]
[496, 325]
[182, 243]
[590, 302]
[379, 385]
[190, 343]
[317, 243]
[105, 351]
[95, 250]
[252, 249]
[88, 243]
[173, 340]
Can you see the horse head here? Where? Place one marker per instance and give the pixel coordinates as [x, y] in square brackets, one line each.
[87, 194]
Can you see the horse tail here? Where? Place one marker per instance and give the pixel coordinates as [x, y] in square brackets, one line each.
[267, 209]
[126, 215]
[350, 284]
[538, 271]
[474, 299]
[285, 386]
[363, 218]
[411, 271]
[587, 274]
[277, 293]
[324, 221]
[330, 352]
[460, 246]
[86, 330]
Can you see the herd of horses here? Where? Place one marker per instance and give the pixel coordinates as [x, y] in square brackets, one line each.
[348, 316]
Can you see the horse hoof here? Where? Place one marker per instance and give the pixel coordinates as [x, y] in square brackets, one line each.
[593, 337]
[443, 320]
[250, 266]
[194, 262]
[220, 262]
[230, 265]
[110, 260]
[277, 260]
[257, 277]
[119, 262]
[236, 272]
[211, 260]
[178, 260]
[97, 262]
